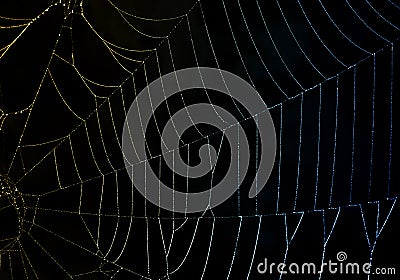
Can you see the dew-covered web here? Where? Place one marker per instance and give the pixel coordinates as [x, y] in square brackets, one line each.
[69, 71]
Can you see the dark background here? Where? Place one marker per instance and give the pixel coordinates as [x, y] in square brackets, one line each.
[67, 172]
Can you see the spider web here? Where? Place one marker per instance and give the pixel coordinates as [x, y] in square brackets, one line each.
[70, 70]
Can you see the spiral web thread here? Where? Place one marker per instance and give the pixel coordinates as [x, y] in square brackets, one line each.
[79, 178]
